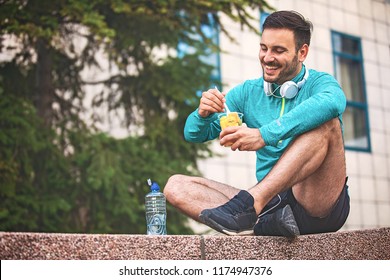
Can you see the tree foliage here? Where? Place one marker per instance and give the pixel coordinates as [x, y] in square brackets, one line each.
[58, 171]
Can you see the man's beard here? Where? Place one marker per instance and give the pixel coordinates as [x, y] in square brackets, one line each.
[285, 75]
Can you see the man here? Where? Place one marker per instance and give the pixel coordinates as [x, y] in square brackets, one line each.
[293, 119]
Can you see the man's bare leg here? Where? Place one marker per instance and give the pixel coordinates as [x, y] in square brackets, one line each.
[191, 195]
[314, 165]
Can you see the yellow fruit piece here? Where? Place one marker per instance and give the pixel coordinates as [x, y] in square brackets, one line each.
[231, 119]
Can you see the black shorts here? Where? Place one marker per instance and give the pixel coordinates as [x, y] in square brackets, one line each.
[306, 223]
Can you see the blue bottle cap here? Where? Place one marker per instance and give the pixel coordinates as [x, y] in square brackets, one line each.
[154, 187]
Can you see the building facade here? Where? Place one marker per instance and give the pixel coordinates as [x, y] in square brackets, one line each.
[351, 40]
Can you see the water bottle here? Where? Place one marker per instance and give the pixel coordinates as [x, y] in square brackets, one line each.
[156, 212]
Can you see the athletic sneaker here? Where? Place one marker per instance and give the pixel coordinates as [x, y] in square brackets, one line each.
[279, 223]
[235, 217]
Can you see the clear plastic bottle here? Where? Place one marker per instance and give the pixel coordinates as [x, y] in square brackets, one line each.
[156, 212]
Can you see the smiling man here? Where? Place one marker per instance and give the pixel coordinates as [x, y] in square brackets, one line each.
[293, 119]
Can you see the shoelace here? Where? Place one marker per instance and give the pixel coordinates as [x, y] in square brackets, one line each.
[234, 206]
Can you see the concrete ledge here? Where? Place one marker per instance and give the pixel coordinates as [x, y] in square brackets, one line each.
[371, 244]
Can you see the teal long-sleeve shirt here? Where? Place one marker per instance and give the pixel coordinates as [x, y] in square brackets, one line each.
[318, 101]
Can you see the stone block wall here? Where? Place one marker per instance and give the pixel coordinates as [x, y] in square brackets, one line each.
[371, 244]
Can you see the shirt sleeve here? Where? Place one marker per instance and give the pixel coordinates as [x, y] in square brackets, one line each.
[326, 101]
[199, 129]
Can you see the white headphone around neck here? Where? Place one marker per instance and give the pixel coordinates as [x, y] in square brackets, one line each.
[289, 89]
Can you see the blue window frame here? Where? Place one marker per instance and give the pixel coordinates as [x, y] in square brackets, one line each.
[348, 67]
[211, 30]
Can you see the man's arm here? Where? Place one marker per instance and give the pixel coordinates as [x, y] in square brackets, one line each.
[327, 103]
[202, 124]
[199, 129]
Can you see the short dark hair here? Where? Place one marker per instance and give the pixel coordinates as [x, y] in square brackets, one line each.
[293, 21]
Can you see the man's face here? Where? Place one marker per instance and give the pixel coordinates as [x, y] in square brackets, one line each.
[278, 56]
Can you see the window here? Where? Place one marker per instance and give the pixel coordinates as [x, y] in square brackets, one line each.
[348, 63]
[263, 16]
[210, 29]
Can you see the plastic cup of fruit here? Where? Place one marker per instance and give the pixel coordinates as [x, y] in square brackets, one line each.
[230, 119]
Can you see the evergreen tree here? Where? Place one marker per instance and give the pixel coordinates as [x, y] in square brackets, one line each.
[58, 172]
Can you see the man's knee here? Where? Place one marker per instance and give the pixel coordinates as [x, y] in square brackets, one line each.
[332, 125]
[326, 131]
[172, 187]
[332, 132]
